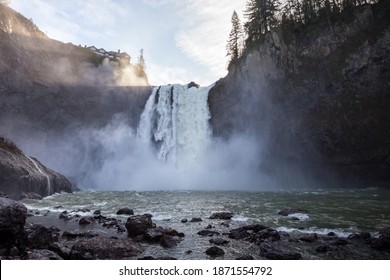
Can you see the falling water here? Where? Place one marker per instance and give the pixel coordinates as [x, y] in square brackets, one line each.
[43, 173]
[176, 122]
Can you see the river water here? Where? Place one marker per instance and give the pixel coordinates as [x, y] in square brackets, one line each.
[342, 211]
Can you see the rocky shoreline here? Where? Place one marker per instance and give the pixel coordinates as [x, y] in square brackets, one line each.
[88, 235]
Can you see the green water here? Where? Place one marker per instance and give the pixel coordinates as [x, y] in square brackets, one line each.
[342, 211]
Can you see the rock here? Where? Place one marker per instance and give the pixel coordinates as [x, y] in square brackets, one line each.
[340, 242]
[13, 216]
[62, 250]
[219, 241]
[188, 252]
[137, 225]
[207, 232]
[167, 241]
[215, 251]
[86, 221]
[42, 254]
[32, 195]
[209, 227]
[125, 211]
[97, 212]
[245, 257]
[272, 251]
[322, 249]
[40, 237]
[77, 234]
[65, 216]
[21, 176]
[196, 220]
[107, 248]
[246, 231]
[382, 243]
[184, 220]
[154, 234]
[192, 84]
[222, 215]
[309, 237]
[290, 211]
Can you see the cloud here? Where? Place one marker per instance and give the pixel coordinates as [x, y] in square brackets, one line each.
[205, 31]
[162, 75]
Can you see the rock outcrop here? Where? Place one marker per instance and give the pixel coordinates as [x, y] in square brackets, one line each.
[22, 176]
[316, 99]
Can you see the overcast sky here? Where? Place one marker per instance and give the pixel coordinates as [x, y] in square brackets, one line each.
[183, 40]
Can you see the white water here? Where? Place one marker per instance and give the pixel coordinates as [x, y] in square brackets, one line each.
[176, 120]
[43, 173]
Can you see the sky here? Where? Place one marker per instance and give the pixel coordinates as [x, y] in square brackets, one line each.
[183, 40]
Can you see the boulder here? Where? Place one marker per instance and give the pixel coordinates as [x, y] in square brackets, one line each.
[137, 225]
[40, 237]
[86, 221]
[309, 237]
[219, 241]
[271, 251]
[125, 211]
[215, 251]
[13, 216]
[167, 241]
[42, 254]
[222, 215]
[207, 232]
[196, 220]
[106, 248]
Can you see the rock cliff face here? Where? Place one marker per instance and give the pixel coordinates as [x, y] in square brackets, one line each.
[317, 98]
[22, 176]
[52, 93]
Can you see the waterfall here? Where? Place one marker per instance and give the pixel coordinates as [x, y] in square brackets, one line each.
[43, 173]
[175, 122]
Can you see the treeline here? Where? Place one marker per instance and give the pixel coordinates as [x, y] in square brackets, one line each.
[264, 15]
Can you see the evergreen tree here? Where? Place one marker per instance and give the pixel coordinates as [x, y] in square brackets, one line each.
[234, 44]
[141, 67]
[261, 15]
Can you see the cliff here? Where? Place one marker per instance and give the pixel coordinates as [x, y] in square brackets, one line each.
[317, 98]
[22, 176]
[56, 97]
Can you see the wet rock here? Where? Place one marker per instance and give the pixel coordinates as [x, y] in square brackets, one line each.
[225, 224]
[196, 220]
[219, 241]
[322, 249]
[65, 216]
[86, 221]
[137, 225]
[215, 251]
[209, 227]
[42, 254]
[382, 243]
[245, 257]
[188, 252]
[155, 234]
[40, 237]
[13, 216]
[290, 211]
[107, 248]
[340, 242]
[309, 237]
[60, 249]
[167, 241]
[272, 251]
[77, 234]
[97, 212]
[184, 221]
[222, 215]
[207, 232]
[32, 195]
[125, 211]
[246, 231]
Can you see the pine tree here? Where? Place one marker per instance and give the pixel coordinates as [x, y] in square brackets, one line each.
[141, 67]
[261, 15]
[234, 44]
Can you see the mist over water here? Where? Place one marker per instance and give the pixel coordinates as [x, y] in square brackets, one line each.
[173, 149]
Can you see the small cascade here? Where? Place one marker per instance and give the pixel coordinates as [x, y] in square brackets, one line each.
[43, 173]
[176, 122]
